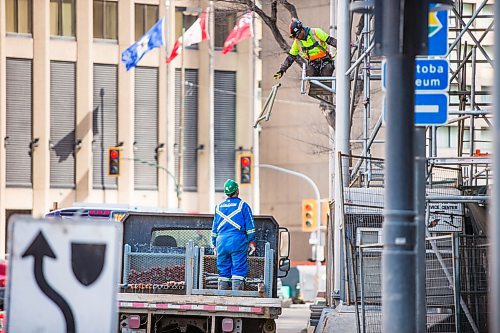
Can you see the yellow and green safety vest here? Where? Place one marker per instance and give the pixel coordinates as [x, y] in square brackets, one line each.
[314, 47]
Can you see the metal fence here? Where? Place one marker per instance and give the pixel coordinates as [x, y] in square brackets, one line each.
[456, 264]
[440, 286]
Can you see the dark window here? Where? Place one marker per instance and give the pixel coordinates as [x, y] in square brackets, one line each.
[184, 18]
[62, 17]
[105, 19]
[224, 23]
[145, 17]
[18, 14]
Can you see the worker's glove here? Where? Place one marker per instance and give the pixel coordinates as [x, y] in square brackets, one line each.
[251, 248]
[278, 74]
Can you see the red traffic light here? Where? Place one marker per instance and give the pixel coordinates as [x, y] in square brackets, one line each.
[308, 207]
[113, 153]
[245, 161]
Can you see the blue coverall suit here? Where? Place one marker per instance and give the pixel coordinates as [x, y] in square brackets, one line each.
[232, 230]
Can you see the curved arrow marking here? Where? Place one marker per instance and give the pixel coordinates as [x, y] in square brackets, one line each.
[39, 249]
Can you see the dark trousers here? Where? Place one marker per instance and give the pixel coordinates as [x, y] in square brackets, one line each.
[320, 67]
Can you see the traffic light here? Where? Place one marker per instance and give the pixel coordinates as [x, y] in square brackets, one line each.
[114, 160]
[246, 168]
[309, 218]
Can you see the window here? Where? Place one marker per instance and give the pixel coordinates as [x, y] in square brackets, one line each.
[145, 17]
[190, 128]
[62, 17]
[18, 14]
[184, 18]
[224, 23]
[104, 122]
[19, 119]
[62, 124]
[105, 19]
[225, 138]
[146, 128]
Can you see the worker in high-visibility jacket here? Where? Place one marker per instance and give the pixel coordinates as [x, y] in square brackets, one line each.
[311, 45]
[233, 237]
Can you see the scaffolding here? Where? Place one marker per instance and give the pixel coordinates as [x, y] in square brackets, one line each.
[471, 66]
[458, 153]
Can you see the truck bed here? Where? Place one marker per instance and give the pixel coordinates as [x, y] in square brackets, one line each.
[250, 307]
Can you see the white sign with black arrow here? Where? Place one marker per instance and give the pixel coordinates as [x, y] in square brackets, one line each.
[63, 276]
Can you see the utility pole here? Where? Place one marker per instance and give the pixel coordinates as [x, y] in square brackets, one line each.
[404, 26]
[342, 123]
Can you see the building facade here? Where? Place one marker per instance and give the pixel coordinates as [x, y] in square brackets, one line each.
[65, 98]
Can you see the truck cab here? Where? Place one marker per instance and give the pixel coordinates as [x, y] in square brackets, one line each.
[169, 277]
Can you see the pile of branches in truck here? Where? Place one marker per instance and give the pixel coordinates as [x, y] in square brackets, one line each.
[157, 275]
[170, 285]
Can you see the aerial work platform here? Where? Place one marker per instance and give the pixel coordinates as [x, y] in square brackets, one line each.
[321, 88]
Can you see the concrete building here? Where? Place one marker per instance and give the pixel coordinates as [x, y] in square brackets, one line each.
[65, 97]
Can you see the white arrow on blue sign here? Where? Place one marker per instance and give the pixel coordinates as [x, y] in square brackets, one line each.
[430, 74]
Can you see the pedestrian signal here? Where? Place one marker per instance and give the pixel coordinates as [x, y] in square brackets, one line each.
[114, 161]
[309, 218]
[246, 168]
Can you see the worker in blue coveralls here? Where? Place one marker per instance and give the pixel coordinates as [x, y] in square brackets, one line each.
[233, 237]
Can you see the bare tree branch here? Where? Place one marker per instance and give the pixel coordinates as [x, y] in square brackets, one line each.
[290, 7]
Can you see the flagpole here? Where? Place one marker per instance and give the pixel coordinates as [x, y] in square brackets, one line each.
[255, 112]
[180, 155]
[211, 157]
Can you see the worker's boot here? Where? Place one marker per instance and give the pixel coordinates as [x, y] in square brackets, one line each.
[224, 285]
[238, 284]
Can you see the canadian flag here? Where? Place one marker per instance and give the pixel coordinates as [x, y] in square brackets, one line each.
[195, 34]
[241, 31]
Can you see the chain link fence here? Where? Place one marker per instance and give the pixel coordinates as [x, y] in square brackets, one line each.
[456, 264]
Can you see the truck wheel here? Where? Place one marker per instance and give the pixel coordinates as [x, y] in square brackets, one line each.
[269, 326]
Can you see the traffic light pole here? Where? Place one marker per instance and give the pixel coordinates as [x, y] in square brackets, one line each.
[318, 210]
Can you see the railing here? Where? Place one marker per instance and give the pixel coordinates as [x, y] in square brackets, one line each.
[456, 286]
[191, 271]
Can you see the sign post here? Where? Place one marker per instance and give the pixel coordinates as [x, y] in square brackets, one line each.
[63, 276]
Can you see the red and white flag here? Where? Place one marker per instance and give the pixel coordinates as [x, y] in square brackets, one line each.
[242, 30]
[195, 34]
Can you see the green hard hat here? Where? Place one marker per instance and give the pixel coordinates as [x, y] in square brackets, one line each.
[230, 186]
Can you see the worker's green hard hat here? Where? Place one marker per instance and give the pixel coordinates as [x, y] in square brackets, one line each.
[230, 186]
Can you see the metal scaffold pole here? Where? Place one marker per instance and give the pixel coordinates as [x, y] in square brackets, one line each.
[494, 303]
[342, 123]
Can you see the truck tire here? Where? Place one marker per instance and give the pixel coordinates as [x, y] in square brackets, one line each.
[259, 325]
[269, 326]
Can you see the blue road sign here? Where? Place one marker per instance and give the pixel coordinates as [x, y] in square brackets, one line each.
[438, 33]
[430, 74]
[430, 108]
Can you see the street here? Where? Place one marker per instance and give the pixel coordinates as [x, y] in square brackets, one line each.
[293, 319]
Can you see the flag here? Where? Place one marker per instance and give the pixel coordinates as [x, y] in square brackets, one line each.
[195, 34]
[242, 30]
[153, 38]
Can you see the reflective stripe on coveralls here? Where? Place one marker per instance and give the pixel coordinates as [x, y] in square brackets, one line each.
[227, 218]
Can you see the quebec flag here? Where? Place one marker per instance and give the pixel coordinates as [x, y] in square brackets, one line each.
[153, 38]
